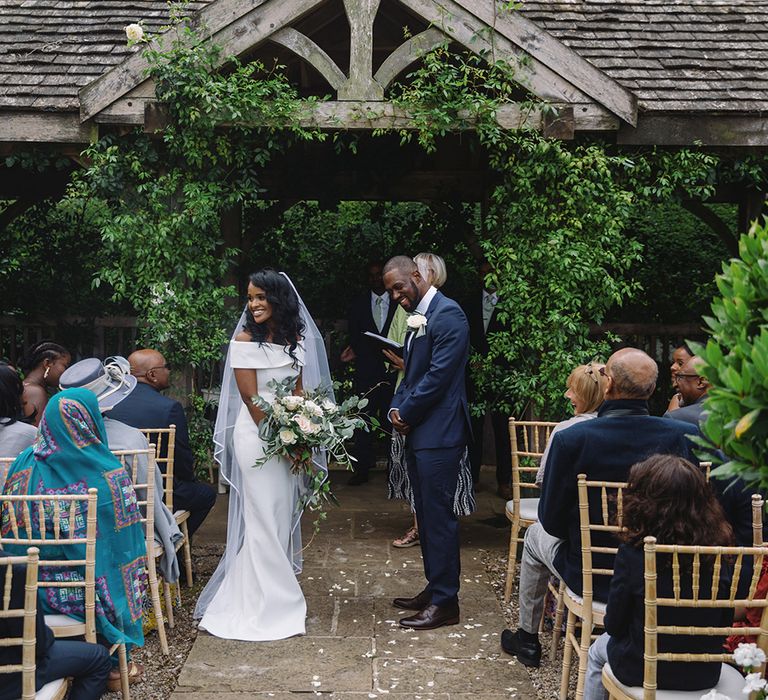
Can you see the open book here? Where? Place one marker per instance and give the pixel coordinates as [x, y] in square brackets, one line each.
[386, 343]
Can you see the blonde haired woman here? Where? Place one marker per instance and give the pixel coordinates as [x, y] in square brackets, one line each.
[586, 391]
[432, 268]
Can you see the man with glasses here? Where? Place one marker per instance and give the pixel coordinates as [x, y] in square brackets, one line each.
[147, 408]
[693, 389]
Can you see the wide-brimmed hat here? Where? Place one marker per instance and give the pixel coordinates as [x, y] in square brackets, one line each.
[110, 380]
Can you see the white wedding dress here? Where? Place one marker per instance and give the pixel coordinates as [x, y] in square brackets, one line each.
[259, 598]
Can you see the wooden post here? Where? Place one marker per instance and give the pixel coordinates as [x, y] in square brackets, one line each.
[360, 84]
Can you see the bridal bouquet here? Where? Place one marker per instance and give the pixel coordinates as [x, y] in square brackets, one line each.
[296, 426]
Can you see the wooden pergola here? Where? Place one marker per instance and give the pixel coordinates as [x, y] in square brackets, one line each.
[632, 72]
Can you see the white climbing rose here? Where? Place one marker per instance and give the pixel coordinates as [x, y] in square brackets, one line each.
[134, 32]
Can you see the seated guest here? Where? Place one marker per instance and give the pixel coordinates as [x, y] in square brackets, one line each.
[693, 389]
[15, 434]
[586, 391]
[70, 455]
[667, 498]
[680, 355]
[146, 407]
[86, 664]
[112, 382]
[603, 448]
[42, 366]
[734, 495]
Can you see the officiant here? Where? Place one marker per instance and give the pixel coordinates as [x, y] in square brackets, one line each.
[372, 311]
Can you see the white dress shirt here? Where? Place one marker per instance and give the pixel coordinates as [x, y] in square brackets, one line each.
[490, 299]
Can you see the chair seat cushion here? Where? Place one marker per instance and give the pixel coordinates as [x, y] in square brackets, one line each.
[62, 621]
[730, 684]
[54, 689]
[597, 606]
[529, 508]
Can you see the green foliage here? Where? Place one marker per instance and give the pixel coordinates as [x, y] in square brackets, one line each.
[326, 249]
[736, 359]
[680, 257]
[200, 435]
[165, 197]
[47, 258]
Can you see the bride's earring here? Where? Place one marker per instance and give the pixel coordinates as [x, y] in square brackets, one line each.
[47, 370]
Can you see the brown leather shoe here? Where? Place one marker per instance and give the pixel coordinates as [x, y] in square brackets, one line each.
[432, 617]
[418, 602]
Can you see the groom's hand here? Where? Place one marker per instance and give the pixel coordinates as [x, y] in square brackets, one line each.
[400, 425]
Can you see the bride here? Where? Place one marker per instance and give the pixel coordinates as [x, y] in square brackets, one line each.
[253, 594]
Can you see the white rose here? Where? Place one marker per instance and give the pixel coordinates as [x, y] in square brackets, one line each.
[416, 321]
[292, 402]
[749, 655]
[287, 436]
[278, 410]
[754, 682]
[312, 408]
[305, 425]
[329, 406]
[134, 32]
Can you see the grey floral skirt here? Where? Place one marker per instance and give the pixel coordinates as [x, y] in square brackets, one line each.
[399, 485]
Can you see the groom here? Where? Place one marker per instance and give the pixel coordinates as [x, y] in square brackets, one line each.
[430, 409]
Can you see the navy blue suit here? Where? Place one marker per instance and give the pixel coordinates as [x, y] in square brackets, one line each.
[146, 407]
[604, 449]
[432, 400]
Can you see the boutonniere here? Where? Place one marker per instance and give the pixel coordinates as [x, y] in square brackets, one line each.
[418, 323]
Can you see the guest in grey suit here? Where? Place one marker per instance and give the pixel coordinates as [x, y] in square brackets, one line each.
[693, 389]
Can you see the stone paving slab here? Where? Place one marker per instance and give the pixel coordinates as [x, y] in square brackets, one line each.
[472, 676]
[300, 664]
[354, 649]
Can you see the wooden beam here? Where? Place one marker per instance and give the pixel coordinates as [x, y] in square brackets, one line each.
[690, 128]
[464, 27]
[44, 127]
[408, 53]
[705, 214]
[551, 52]
[238, 25]
[304, 47]
[370, 115]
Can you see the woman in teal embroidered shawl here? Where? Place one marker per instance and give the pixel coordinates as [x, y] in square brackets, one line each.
[69, 456]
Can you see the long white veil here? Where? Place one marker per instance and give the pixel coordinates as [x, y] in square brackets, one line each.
[315, 374]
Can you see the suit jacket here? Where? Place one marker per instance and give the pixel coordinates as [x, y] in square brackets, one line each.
[478, 336]
[688, 414]
[370, 363]
[604, 448]
[146, 407]
[432, 397]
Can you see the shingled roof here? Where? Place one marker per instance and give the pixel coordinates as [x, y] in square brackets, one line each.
[49, 49]
[693, 57]
[675, 55]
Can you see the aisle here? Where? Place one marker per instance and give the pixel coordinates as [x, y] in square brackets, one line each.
[354, 647]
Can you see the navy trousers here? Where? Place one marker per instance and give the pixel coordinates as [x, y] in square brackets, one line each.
[88, 665]
[197, 498]
[434, 474]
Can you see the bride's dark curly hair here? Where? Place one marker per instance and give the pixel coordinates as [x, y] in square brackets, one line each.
[285, 325]
[669, 498]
